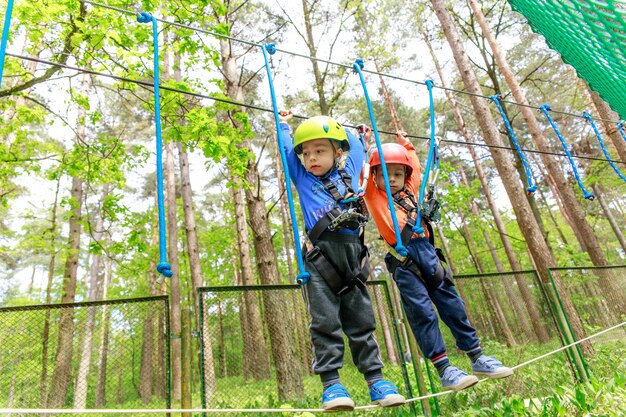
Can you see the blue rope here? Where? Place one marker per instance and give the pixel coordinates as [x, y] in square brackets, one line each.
[545, 108]
[620, 127]
[358, 65]
[5, 36]
[430, 161]
[163, 267]
[304, 276]
[604, 150]
[531, 187]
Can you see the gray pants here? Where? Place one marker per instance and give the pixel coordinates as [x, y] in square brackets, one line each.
[333, 315]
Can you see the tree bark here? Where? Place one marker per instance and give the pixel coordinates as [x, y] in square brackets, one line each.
[174, 281]
[63, 360]
[290, 383]
[599, 193]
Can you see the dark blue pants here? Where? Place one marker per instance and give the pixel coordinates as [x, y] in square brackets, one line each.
[418, 304]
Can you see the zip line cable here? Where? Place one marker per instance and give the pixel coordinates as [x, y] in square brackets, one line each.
[347, 66]
[265, 109]
[606, 153]
[163, 267]
[276, 410]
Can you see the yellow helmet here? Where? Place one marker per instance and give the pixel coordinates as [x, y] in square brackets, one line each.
[320, 127]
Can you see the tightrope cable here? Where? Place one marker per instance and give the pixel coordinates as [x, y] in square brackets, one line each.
[338, 64]
[267, 110]
[275, 410]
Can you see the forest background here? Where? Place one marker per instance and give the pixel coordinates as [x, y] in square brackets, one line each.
[77, 179]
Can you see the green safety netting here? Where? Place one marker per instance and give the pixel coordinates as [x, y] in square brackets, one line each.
[590, 35]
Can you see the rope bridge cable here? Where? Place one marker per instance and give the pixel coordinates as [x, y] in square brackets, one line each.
[496, 98]
[267, 110]
[163, 267]
[276, 410]
[604, 151]
[545, 108]
[358, 66]
[5, 36]
[303, 276]
[391, 76]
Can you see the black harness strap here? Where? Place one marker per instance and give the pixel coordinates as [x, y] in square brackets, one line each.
[335, 219]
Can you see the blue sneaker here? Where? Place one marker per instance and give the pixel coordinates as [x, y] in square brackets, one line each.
[453, 379]
[490, 367]
[336, 398]
[385, 394]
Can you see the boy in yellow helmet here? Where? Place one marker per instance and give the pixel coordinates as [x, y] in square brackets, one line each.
[323, 159]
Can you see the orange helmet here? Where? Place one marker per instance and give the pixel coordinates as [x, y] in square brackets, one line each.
[394, 154]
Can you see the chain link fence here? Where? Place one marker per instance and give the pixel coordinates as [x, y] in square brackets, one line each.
[102, 354]
[598, 294]
[256, 350]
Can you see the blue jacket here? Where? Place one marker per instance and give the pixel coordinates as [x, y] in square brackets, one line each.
[315, 201]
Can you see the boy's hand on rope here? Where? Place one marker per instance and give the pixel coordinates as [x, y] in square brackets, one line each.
[285, 115]
[402, 137]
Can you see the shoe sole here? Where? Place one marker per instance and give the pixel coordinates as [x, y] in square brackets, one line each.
[339, 404]
[495, 375]
[391, 400]
[465, 382]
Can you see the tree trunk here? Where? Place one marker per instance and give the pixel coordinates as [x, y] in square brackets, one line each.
[174, 281]
[255, 347]
[488, 290]
[46, 325]
[599, 193]
[84, 367]
[310, 43]
[384, 326]
[527, 222]
[535, 316]
[63, 361]
[606, 113]
[103, 349]
[276, 310]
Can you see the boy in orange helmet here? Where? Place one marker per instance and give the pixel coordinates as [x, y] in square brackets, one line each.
[421, 276]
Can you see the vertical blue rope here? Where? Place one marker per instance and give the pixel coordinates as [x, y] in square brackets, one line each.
[430, 161]
[303, 276]
[620, 127]
[358, 64]
[604, 150]
[5, 37]
[163, 267]
[531, 188]
[545, 108]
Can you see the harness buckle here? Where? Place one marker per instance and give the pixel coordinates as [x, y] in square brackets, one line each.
[350, 219]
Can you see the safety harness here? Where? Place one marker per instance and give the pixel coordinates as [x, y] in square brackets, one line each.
[353, 217]
[406, 201]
